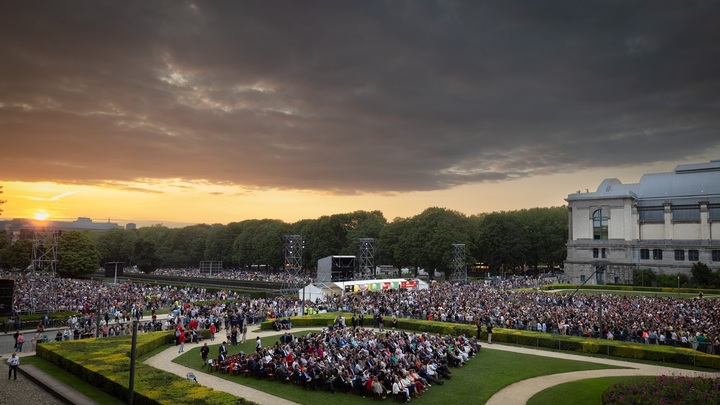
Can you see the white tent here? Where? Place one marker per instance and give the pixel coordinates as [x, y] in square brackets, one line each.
[320, 290]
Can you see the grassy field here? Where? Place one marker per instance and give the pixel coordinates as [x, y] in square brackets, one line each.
[586, 392]
[483, 376]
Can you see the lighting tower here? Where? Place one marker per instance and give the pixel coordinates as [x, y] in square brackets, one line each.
[294, 246]
[459, 269]
[366, 268]
[45, 249]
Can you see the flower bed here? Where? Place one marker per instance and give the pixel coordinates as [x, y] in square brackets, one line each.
[665, 390]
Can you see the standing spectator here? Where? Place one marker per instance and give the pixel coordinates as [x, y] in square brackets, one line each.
[258, 345]
[204, 351]
[14, 362]
[489, 332]
[20, 341]
[213, 329]
[181, 340]
[244, 333]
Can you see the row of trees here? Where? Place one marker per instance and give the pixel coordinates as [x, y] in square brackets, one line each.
[507, 241]
[700, 276]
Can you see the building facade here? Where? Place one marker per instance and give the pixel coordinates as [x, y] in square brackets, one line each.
[666, 222]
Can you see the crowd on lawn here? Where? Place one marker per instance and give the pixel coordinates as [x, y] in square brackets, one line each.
[248, 275]
[692, 322]
[355, 359]
[41, 292]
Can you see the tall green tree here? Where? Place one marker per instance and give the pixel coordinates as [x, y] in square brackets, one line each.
[387, 248]
[501, 242]
[362, 224]
[17, 255]
[4, 240]
[261, 242]
[438, 229]
[702, 276]
[219, 243]
[116, 245]
[544, 235]
[145, 255]
[184, 247]
[77, 254]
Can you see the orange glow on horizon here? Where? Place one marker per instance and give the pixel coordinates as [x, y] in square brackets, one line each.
[42, 215]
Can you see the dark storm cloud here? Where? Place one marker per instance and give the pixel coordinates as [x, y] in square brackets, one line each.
[378, 96]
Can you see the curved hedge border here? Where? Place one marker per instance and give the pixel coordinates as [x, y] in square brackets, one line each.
[105, 363]
[614, 348]
[617, 287]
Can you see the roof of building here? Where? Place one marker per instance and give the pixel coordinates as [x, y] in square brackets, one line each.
[691, 181]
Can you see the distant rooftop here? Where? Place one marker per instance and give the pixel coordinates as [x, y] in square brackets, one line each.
[82, 223]
[690, 181]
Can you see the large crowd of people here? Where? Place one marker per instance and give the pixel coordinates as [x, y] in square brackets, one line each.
[248, 275]
[663, 320]
[41, 292]
[355, 359]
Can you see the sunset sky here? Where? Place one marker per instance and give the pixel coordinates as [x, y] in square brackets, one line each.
[182, 112]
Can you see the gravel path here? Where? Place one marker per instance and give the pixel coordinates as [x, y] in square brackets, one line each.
[23, 391]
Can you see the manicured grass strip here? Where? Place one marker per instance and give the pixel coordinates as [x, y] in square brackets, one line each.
[481, 378]
[586, 392]
[77, 384]
[106, 364]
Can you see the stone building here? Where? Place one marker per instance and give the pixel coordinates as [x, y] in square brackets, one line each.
[666, 222]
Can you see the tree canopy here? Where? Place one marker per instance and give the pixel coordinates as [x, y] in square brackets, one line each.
[77, 254]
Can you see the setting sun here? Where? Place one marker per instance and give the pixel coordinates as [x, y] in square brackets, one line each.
[42, 215]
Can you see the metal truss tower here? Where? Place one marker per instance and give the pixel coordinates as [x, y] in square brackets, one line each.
[45, 249]
[459, 269]
[366, 268]
[294, 246]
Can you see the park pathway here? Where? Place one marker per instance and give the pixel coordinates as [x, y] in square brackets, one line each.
[164, 361]
[520, 392]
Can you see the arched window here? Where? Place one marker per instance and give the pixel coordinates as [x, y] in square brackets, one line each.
[600, 226]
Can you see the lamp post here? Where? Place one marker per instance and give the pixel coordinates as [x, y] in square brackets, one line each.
[133, 355]
[678, 277]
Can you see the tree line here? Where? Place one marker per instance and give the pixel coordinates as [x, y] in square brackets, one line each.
[511, 242]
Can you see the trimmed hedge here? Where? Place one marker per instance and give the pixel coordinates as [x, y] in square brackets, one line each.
[614, 348]
[105, 363]
[629, 288]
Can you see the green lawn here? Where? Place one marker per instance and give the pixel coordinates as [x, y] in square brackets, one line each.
[586, 392]
[634, 293]
[475, 383]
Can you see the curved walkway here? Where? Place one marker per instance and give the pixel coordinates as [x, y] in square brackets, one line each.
[522, 391]
[163, 361]
[518, 393]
